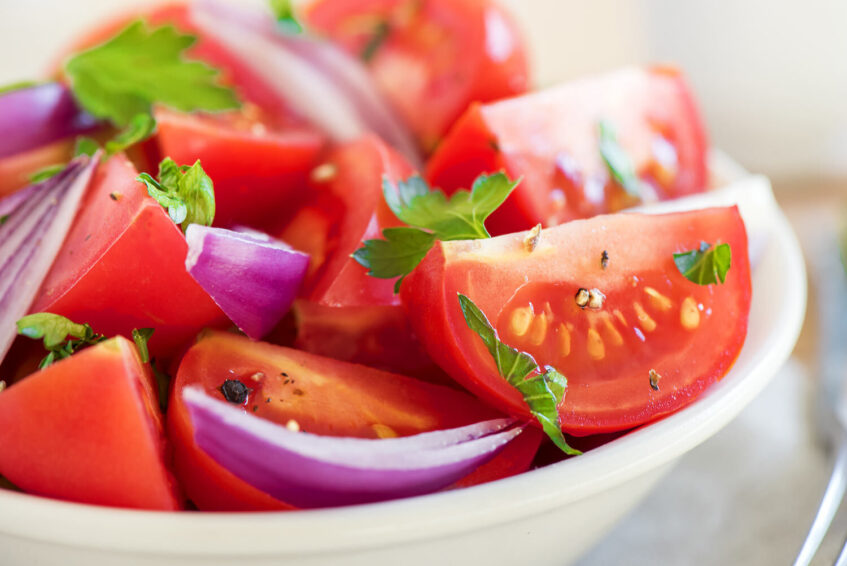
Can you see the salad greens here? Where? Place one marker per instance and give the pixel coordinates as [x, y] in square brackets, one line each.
[705, 265]
[62, 337]
[431, 216]
[283, 12]
[185, 191]
[543, 391]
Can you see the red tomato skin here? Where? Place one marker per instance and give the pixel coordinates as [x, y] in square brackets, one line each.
[561, 167]
[88, 429]
[259, 175]
[122, 266]
[325, 396]
[438, 56]
[492, 272]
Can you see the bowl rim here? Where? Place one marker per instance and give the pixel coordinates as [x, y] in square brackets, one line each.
[441, 514]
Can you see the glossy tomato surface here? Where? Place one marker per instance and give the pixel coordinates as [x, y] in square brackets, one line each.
[322, 396]
[88, 429]
[651, 319]
[432, 58]
[259, 173]
[550, 138]
[122, 266]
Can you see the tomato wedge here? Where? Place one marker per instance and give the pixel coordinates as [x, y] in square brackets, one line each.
[550, 138]
[259, 173]
[432, 58]
[15, 170]
[322, 396]
[122, 266]
[88, 429]
[652, 319]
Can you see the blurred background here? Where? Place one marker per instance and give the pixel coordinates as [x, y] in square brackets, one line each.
[769, 74]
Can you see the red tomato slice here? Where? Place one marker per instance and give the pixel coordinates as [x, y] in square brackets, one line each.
[259, 174]
[432, 58]
[550, 138]
[88, 429]
[122, 266]
[652, 319]
[323, 396]
[15, 170]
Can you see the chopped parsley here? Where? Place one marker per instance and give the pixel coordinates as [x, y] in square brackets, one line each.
[3, 219]
[431, 216]
[62, 337]
[185, 191]
[140, 127]
[141, 336]
[543, 391]
[85, 146]
[705, 265]
[20, 85]
[380, 34]
[617, 160]
[283, 12]
[46, 173]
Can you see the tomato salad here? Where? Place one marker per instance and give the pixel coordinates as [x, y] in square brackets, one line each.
[273, 261]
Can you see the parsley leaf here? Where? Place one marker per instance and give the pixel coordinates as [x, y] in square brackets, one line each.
[140, 127]
[3, 219]
[186, 192]
[141, 336]
[20, 85]
[542, 391]
[461, 217]
[62, 337]
[432, 216]
[125, 76]
[46, 173]
[397, 255]
[283, 11]
[380, 34]
[705, 265]
[617, 160]
[85, 146]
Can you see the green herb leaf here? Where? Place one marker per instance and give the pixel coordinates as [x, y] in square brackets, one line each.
[20, 85]
[186, 192]
[46, 173]
[62, 337]
[397, 255]
[163, 382]
[123, 77]
[542, 391]
[380, 34]
[705, 265]
[618, 160]
[461, 217]
[85, 146]
[3, 219]
[283, 11]
[141, 336]
[140, 127]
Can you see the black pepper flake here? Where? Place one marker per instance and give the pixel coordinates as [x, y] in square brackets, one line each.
[255, 408]
[604, 259]
[298, 392]
[286, 382]
[654, 380]
[492, 143]
[268, 400]
[88, 237]
[283, 374]
[115, 196]
[234, 391]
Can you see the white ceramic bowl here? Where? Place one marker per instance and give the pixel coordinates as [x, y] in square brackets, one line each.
[547, 516]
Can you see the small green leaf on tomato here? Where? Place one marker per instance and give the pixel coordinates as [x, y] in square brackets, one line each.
[46, 173]
[283, 11]
[617, 160]
[401, 250]
[543, 391]
[706, 264]
[62, 337]
[186, 192]
[141, 336]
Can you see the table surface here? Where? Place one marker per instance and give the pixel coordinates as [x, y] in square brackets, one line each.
[747, 495]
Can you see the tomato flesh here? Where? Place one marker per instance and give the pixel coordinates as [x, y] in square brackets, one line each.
[259, 174]
[16, 170]
[652, 319]
[323, 396]
[431, 58]
[550, 139]
[88, 429]
[122, 266]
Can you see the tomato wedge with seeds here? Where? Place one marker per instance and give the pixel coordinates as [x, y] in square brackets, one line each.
[432, 58]
[550, 138]
[323, 396]
[649, 323]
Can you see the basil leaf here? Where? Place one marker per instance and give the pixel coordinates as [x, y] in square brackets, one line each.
[618, 160]
[705, 265]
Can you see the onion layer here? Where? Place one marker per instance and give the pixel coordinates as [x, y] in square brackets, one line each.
[37, 219]
[309, 471]
[37, 115]
[252, 277]
[322, 82]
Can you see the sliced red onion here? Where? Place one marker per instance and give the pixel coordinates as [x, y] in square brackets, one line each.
[37, 115]
[322, 82]
[251, 276]
[308, 470]
[37, 220]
